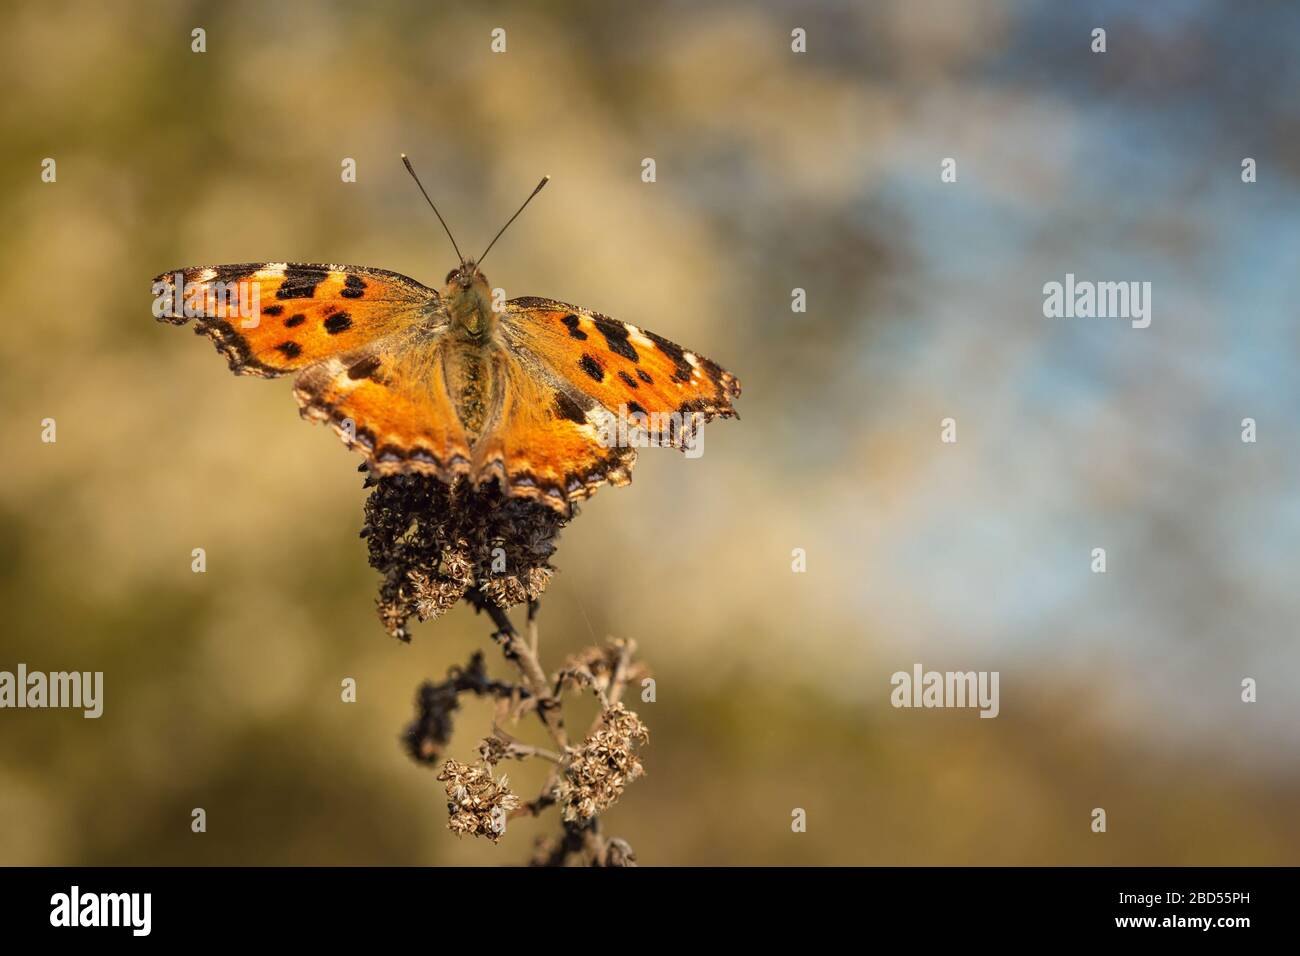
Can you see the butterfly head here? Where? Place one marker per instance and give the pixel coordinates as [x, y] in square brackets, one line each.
[466, 294]
[465, 276]
[469, 299]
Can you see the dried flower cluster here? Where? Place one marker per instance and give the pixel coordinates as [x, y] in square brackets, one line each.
[596, 774]
[477, 803]
[603, 668]
[436, 545]
[585, 780]
[433, 542]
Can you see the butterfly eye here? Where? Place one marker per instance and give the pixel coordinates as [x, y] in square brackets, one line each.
[451, 275]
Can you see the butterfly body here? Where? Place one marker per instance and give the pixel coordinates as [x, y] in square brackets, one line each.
[441, 383]
[470, 364]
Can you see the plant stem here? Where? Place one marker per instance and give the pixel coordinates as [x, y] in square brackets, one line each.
[518, 652]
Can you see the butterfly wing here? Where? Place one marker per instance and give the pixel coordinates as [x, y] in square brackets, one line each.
[544, 440]
[580, 366]
[271, 318]
[365, 343]
[389, 399]
[619, 364]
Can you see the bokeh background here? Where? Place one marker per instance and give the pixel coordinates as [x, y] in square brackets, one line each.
[775, 171]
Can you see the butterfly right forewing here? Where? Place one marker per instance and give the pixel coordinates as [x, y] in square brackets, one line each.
[618, 364]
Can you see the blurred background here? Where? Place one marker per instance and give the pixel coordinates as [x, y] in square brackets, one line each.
[775, 171]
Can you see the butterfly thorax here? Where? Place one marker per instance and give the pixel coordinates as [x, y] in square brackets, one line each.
[468, 300]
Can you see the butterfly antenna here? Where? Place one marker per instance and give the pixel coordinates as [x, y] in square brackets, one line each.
[545, 180]
[410, 170]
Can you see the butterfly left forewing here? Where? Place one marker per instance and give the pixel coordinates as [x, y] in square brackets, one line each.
[272, 318]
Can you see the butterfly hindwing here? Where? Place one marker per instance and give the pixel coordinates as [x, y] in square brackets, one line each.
[272, 318]
[390, 400]
[545, 441]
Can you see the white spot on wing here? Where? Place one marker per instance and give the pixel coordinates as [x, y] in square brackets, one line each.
[338, 372]
[599, 420]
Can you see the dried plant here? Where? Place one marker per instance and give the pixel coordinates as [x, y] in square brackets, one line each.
[477, 803]
[437, 545]
[597, 772]
[433, 542]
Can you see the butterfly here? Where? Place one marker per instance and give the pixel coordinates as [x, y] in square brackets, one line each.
[451, 382]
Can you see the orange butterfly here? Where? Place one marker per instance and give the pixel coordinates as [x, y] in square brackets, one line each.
[441, 383]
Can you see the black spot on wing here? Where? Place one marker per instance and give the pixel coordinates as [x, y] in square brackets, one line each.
[365, 368]
[616, 335]
[592, 367]
[565, 407]
[338, 322]
[628, 380]
[300, 283]
[353, 287]
[273, 310]
[296, 319]
[644, 376]
[682, 370]
[571, 323]
[289, 350]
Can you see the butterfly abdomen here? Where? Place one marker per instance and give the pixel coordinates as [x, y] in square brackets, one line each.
[470, 383]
